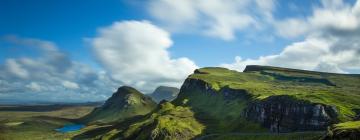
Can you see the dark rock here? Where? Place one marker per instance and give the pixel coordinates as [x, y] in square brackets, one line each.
[286, 114]
[357, 116]
[190, 85]
[278, 113]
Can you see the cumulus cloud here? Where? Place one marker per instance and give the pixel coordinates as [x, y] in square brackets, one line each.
[51, 75]
[34, 86]
[217, 18]
[291, 28]
[331, 42]
[70, 85]
[332, 15]
[16, 69]
[135, 52]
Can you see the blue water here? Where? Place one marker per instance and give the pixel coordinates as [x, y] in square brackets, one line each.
[70, 128]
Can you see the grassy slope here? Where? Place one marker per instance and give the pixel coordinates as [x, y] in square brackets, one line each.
[351, 125]
[218, 114]
[261, 84]
[346, 130]
[200, 114]
[127, 103]
[166, 122]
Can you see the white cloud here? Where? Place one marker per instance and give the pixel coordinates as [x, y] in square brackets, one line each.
[291, 28]
[70, 85]
[217, 18]
[16, 69]
[51, 75]
[331, 15]
[34, 86]
[326, 67]
[297, 55]
[332, 40]
[135, 52]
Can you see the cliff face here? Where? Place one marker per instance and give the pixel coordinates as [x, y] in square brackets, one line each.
[220, 110]
[285, 114]
[276, 113]
[262, 99]
[202, 87]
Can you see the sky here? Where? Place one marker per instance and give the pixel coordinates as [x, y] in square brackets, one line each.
[83, 50]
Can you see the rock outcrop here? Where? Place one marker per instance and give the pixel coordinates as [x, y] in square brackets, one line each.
[202, 87]
[286, 114]
[277, 113]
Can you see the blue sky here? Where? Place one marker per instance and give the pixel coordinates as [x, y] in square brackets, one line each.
[178, 36]
[67, 22]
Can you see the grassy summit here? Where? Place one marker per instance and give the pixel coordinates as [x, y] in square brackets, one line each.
[166, 122]
[340, 90]
[127, 102]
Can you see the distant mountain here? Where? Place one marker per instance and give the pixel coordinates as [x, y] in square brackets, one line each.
[126, 102]
[164, 93]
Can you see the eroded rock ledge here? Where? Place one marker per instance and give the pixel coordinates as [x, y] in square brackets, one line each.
[285, 114]
[278, 113]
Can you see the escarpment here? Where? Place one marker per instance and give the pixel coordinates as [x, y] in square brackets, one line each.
[276, 104]
[276, 113]
[259, 100]
[286, 114]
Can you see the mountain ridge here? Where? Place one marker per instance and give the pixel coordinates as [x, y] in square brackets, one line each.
[126, 102]
[225, 101]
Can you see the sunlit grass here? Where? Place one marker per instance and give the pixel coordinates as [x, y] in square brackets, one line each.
[344, 95]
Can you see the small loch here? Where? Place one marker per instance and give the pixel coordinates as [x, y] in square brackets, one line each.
[70, 128]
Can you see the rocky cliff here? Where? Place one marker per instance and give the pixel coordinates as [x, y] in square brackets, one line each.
[261, 99]
[279, 99]
[286, 114]
[277, 113]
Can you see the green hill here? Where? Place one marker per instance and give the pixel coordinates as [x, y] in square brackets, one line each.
[167, 122]
[259, 100]
[164, 93]
[125, 103]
